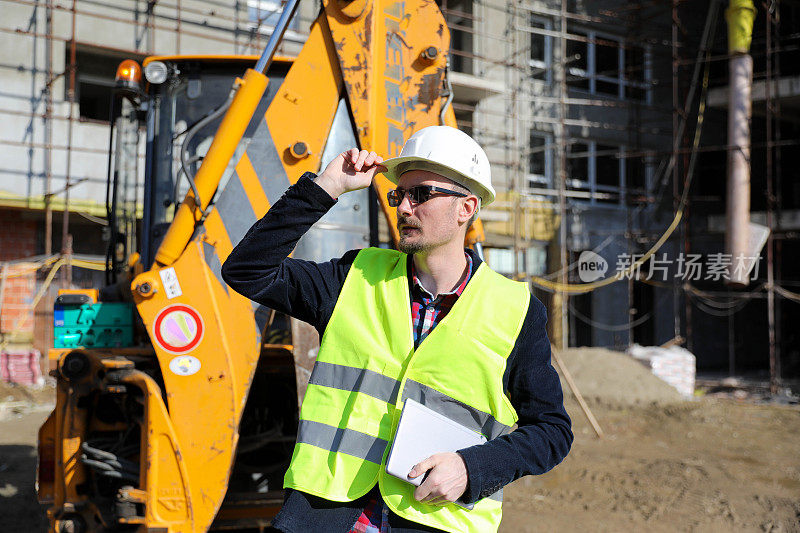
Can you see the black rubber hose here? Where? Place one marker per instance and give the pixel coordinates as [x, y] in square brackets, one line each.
[190, 135]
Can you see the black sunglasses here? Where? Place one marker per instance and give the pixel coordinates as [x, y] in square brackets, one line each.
[418, 194]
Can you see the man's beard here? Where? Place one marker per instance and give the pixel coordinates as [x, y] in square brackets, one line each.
[409, 247]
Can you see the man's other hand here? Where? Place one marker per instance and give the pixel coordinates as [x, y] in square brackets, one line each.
[446, 481]
[350, 171]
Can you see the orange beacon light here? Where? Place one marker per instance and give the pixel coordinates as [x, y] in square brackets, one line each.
[129, 75]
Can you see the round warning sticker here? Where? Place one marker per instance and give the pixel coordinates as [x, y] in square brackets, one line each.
[178, 328]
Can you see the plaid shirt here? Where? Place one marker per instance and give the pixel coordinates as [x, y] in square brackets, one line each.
[426, 312]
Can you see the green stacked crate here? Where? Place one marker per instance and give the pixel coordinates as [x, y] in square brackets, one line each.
[88, 325]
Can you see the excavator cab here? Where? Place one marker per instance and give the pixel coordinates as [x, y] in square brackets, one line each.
[172, 115]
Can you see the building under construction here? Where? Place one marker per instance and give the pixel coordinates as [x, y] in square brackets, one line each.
[608, 125]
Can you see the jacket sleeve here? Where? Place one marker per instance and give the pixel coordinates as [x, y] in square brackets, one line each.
[543, 436]
[260, 269]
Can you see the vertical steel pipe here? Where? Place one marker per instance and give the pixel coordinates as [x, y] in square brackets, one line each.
[737, 235]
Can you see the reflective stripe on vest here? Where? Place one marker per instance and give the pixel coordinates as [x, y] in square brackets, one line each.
[342, 440]
[367, 366]
[385, 388]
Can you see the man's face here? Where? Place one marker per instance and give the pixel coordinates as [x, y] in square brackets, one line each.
[430, 224]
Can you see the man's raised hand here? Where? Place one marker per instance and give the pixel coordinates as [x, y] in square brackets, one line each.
[349, 171]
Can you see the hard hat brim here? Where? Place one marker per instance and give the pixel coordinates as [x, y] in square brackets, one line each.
[396, 166]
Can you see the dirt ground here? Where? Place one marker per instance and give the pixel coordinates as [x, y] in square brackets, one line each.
[712, 464]
[20, 511]
[665, 464]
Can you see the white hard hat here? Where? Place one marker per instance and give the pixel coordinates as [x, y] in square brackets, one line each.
[448, 152]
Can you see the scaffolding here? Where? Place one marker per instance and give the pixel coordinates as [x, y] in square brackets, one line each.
[669, 32]
[244, 31]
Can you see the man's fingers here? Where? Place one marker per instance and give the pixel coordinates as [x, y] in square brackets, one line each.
[432, 495]
[375, 170]
[376, 163]
[350, 157]
[428, 490]
[446, 480]
[363, 160]
[422, 467]
[371, 159]
[359, 164]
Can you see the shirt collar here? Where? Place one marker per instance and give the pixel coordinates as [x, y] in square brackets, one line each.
[455, 292]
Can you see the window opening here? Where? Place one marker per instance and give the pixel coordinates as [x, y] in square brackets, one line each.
[541, 58]
[608, 65]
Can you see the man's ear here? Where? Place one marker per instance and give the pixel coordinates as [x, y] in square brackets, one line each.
[468, 208]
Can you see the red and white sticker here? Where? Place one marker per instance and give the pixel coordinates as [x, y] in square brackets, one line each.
[178, 328]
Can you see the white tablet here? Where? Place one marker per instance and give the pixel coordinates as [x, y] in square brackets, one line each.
[421, 433]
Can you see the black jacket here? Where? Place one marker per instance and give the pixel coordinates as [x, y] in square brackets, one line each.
[259, 268]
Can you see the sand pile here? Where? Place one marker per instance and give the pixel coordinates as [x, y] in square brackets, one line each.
[614, 378]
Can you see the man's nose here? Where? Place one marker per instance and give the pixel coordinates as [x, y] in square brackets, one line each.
[405, 205]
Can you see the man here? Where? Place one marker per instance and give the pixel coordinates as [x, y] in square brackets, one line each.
[430, 322]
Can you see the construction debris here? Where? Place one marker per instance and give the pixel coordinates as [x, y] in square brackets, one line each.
[674, 365]
[17, 401]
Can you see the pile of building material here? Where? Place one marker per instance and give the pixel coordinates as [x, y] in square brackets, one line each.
[21, 366]
[615, 378]
[675, 365]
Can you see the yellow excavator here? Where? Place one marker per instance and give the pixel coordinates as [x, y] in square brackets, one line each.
[177, 398]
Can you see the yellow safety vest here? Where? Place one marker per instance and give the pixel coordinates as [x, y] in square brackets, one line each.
[367, 366]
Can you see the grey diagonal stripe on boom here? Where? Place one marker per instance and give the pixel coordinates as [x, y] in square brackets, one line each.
[341, 440]
[350, 378]
[212, 260]
[455, 410]
[341, 137]
[267, 163]
[235, 210]
[261, 314]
